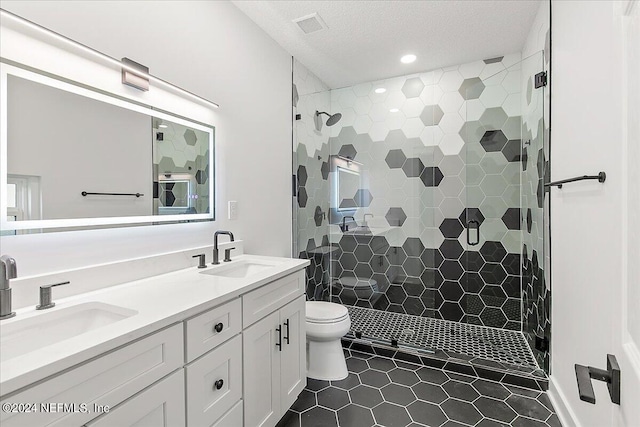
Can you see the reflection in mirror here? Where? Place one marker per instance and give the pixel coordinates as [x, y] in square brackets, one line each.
[76, 154]
[181, 164]
[348, 184]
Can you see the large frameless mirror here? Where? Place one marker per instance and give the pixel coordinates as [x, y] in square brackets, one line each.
[76, 157]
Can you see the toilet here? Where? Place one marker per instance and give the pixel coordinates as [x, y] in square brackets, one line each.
[326, 323]
[351, 289]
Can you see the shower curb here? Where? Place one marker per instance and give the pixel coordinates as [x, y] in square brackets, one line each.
[456, 363]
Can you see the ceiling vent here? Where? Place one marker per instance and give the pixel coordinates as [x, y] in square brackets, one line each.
[310, 23]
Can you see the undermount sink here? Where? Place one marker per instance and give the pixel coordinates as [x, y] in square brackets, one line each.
[34, 333]
[240, 269]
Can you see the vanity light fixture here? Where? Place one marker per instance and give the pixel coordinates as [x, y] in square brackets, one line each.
[348, 160]
[136, 80]
[98, 54]
[380, 90]
[163, 126]
[408, 59]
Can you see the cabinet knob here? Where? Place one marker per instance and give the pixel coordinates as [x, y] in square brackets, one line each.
[218, 384]
[218, 327]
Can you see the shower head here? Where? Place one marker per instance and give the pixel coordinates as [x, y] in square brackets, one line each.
[332, 120]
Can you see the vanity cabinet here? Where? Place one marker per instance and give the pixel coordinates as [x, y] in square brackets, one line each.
[161, 405]
[274, 350]
[107, 380]
[241, 363]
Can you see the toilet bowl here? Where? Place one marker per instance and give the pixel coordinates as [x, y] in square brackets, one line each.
[326, 323]
[351, 289]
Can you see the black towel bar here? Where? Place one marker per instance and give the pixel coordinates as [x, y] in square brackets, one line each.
[86, 193]
[601, 177]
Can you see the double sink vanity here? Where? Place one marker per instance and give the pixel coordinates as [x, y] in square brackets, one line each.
[217, 346]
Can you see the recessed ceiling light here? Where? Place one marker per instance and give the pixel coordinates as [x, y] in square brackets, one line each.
[380, 90]
[394, 110]
[408, 59]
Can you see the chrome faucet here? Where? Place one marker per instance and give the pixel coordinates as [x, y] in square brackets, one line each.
[8, 271]
[227, 252]
[45, 296]
[364, 220]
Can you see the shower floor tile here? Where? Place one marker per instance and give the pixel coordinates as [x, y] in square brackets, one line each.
[414, 395]
[480, 345]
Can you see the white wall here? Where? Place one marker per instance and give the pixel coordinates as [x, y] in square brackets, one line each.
[77, 144]
[586, 120]
[212, 49]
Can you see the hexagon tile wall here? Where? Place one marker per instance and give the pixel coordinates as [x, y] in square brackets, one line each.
[435, 151]
[182, 151]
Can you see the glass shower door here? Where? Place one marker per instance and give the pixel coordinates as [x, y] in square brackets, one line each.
[310, 181]
[505, 164]
[382, 182]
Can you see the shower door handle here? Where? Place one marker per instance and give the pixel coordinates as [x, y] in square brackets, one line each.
[475, 225]
[294, 185]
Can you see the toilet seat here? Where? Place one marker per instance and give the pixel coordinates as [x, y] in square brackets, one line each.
[357, 283]
[325, 312]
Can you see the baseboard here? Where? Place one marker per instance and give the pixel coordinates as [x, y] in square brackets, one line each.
[563, 410]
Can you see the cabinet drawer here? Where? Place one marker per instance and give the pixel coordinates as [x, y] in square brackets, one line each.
[161, 405]
[233, 418]
[201, 333]
[208, 400]
[267, 299]
[107, 380]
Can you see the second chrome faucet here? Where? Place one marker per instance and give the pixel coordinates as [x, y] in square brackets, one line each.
[227, 252]
[8, 271]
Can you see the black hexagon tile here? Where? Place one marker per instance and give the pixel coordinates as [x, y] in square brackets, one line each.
[348, 151]
[511, 218]
[431, 176]
[493, 140]
[396, 217]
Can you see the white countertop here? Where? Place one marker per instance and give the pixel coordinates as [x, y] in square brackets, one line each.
[160, 301]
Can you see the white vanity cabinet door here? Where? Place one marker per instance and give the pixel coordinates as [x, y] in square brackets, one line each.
[208, 400]
[293, 360]
[269, 298]
[201, 333]
[233, 418]
[161, 405]
[107, 380]
[262, 373]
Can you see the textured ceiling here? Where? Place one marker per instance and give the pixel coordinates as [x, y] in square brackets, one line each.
[365, 39]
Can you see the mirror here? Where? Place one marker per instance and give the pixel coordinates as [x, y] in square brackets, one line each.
[77, 157]
[348, 184]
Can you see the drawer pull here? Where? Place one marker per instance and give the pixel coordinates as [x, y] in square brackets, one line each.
[279, 343]
[218, 384]
[287, 336]
[218, 327]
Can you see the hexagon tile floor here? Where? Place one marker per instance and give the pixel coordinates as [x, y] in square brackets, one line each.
[392, 393]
